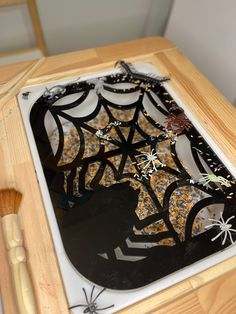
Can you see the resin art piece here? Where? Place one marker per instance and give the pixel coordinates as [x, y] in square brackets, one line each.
[137, 192]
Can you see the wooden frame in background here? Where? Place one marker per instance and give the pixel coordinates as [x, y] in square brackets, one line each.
[31, 5]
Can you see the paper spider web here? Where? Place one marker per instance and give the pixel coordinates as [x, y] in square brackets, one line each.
[99, 182]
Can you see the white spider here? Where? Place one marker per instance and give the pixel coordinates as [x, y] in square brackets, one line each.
[98, 84]
[207, 178]
[100, 134]
[150, 159]
[224, 226]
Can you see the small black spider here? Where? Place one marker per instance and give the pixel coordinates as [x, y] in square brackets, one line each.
[91, 307]
[25, 95]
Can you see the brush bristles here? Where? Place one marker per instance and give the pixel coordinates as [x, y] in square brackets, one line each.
[9, 201]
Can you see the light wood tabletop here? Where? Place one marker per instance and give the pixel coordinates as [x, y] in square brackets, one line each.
[211, 291]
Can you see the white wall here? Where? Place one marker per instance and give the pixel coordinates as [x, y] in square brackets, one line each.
[205, 30]
[16, 30]
[78, 24]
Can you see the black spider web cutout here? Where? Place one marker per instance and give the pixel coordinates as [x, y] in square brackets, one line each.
[87, 229]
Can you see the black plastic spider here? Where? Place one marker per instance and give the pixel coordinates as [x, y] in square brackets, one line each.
[151, 78]
[91, 307]
[25, 95]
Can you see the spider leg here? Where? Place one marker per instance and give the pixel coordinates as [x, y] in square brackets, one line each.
[231, 239]
[232, 230]
[154, 166]
[99, 294]
[216, 220]
[148, 163]
[222, 180]
[230, 218]
[225, 237]
[218, 235]
[142, 162]
[74, 306]
[206, 182]
[143, 153]
[211, 225]
[202, 179]
[86, 297]
[91, 295]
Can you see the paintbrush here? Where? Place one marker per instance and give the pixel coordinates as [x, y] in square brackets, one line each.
[10, 200]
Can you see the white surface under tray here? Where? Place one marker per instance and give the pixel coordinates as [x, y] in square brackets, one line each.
[73, 280]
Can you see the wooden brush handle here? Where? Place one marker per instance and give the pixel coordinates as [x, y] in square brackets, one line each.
[17, 258]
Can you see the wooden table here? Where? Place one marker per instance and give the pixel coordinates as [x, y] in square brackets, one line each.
[212, 291]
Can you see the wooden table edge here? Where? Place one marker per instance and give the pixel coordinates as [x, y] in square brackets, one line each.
[196, 281]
